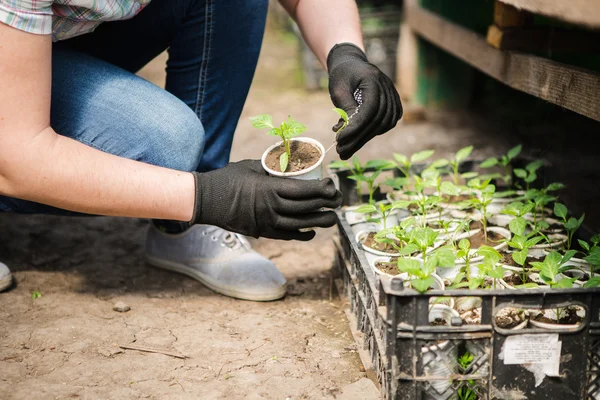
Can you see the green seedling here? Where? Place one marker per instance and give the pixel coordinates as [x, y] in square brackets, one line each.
[551, 270]
[404, 163]
[464, 252]
[571, 224]
[286, 130]
[591, 254]
[344, 116]
[459, 157]
[399, 184]
[359, 173]
[396, 236]
[420, 271]
[382, 209]
[424, 203]
[36, 295]
[481, 202]
[354, 166]
[529, 174]
[520, 242]
[541, 198]
[465, 392]
[488, 266]
[505, 162]
[552, 267]
[370, 178]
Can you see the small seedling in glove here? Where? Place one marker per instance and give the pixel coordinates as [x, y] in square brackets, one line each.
[286, 130]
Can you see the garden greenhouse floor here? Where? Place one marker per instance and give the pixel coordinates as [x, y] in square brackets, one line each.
[65, 344]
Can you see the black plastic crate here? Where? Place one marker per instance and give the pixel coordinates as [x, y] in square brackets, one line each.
[394, 323]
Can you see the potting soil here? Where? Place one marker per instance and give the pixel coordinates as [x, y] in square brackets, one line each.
[303, 156]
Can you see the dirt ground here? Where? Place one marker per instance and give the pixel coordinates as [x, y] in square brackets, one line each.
[65, 344]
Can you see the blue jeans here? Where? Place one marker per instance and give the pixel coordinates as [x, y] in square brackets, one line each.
[97, 99]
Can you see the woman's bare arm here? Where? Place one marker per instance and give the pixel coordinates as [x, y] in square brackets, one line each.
[40, 165]
[324, 23]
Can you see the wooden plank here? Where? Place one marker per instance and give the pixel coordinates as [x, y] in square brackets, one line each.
[507, 16]
[544, 40]
[579, 12]
[407, 60]
[567, 86]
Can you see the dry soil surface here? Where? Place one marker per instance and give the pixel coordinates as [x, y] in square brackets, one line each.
[66, 343]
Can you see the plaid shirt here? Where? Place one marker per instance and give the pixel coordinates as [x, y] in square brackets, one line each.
[65, 18]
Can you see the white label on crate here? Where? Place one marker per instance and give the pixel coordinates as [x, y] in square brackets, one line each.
[534, 349]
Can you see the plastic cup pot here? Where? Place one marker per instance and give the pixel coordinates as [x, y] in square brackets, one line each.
[551, 314]
[361, 236]
[315, 171]
[511, 318]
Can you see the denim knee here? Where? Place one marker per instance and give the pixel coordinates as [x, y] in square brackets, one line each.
[178, 142]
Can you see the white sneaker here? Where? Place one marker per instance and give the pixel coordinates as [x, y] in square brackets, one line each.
[5, 277]
[221, 260]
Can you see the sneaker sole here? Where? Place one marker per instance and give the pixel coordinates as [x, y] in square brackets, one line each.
[211, 284]
[5, 282]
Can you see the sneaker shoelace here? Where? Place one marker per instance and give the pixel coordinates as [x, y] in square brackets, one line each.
[232, 240]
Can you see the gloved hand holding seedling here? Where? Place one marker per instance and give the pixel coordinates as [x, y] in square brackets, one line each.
[355, 82]
[286, 130]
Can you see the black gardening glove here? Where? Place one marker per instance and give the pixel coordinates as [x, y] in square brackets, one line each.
[241, 197]
[354, 82]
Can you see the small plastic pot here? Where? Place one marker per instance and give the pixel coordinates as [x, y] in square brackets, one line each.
[496, 229]
[522, 325]
[556, 241]
[355, 218]
[313, 172]
[362, 234]
[551, 314]
[373, 262]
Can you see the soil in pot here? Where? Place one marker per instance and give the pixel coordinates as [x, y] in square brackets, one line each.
[388, 267]
[508, 318]
[303, 156]
[369, 241]
[471, 317]
[416, 210]
[554, 227]
[508, 260]
[475, 224]
[438, 322]
[568, 317]
[456, 198]
[515, 280]
[580, 277]
[478, 239]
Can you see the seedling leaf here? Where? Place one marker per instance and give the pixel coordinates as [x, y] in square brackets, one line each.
[463, 153]
[421, 285]
[380, 164]
[421, 156]
[560, 210]
[343, 114]
[262, 121]
[592, 282]
[490, 162]
[366, 209]
[341, 164]
[515, 151]
[520, 173]
[283, 161]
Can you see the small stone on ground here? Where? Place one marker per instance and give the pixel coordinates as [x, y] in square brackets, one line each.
[121, 307]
